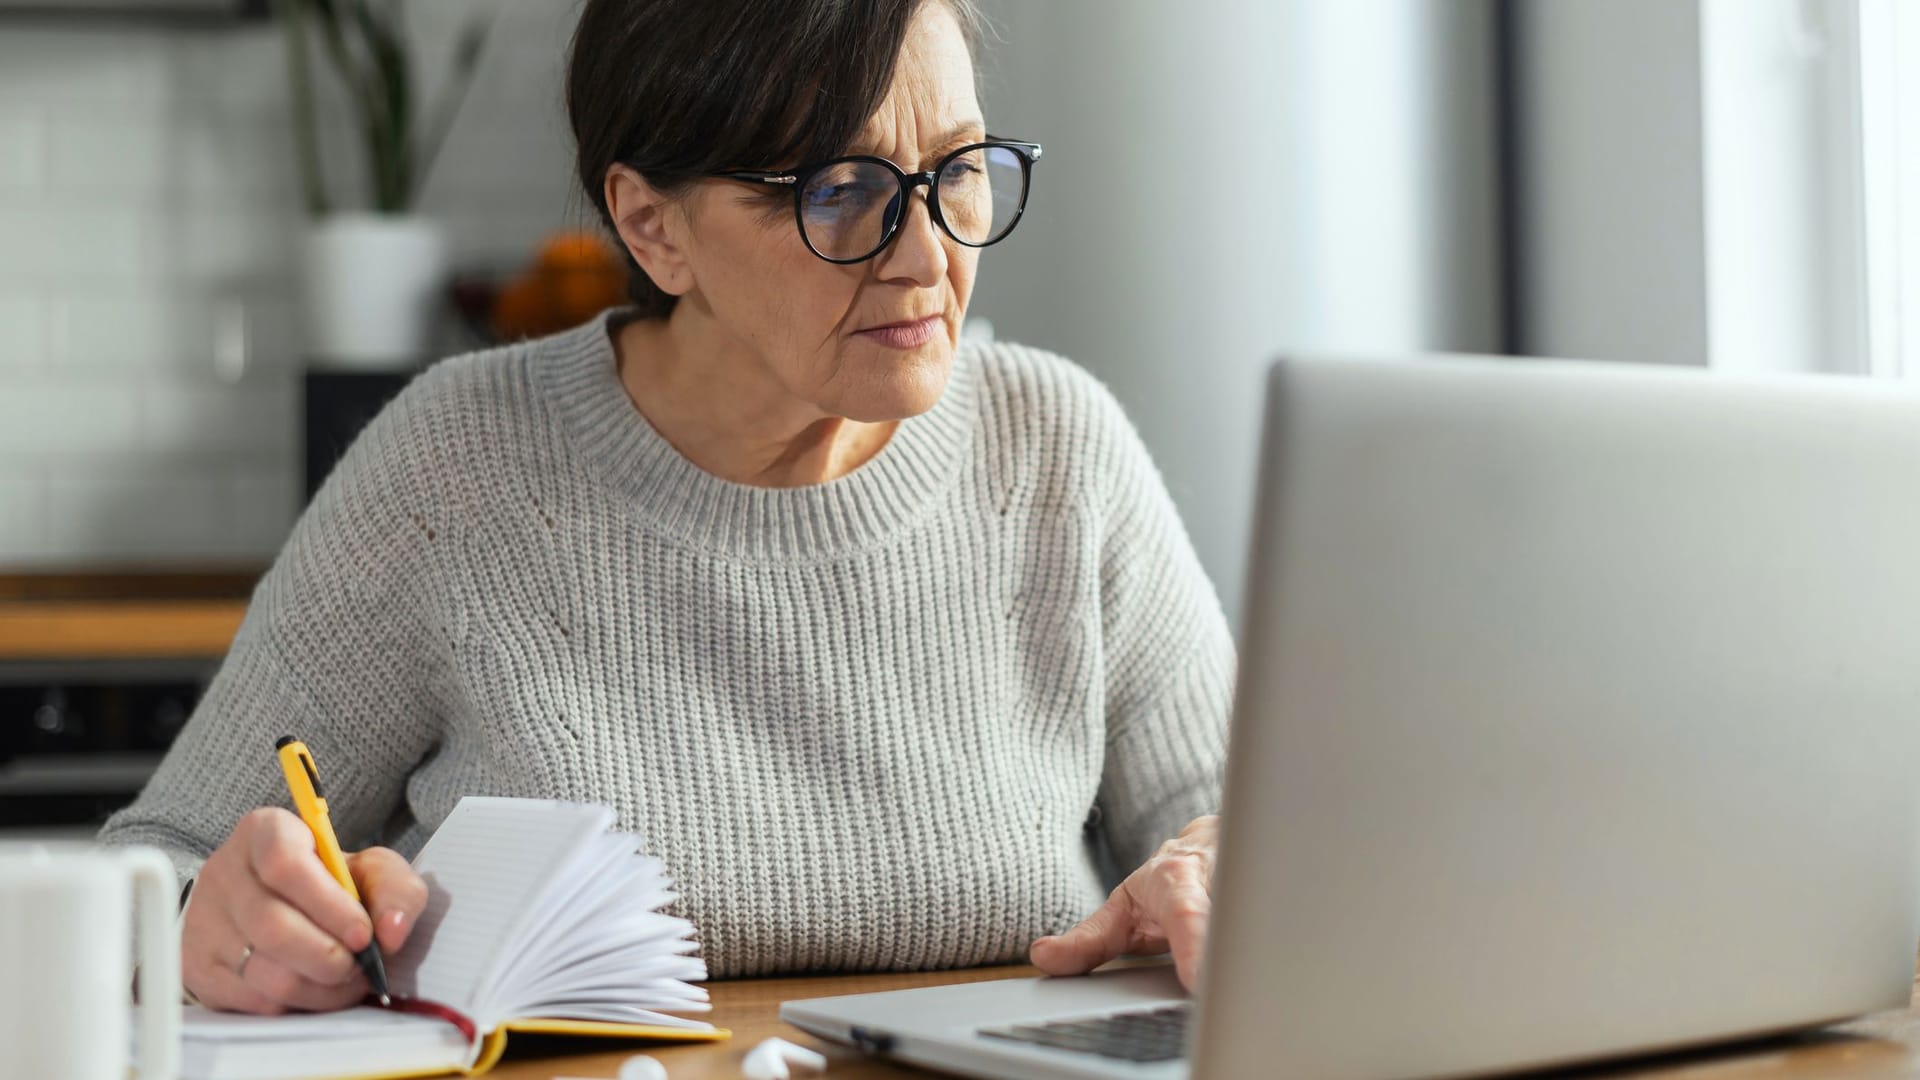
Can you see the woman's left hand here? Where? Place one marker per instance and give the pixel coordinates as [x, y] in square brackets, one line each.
[1161, 907]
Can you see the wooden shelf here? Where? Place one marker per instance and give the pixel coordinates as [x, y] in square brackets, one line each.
[123, 614]
[210, 582]
[118, 629]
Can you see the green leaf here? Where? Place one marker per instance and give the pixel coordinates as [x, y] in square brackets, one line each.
[390, 70]
[366, 44]
[313, 181]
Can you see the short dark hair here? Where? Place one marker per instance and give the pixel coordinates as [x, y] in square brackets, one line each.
[680, 88]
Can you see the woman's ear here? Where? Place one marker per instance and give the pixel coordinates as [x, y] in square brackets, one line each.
[640, 215]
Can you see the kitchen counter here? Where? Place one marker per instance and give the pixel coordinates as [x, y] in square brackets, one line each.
[98, 674]
[122, 616]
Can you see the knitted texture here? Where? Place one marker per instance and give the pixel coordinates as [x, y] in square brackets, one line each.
[911, 718]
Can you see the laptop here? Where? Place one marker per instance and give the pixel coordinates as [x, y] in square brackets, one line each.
[1579, 716]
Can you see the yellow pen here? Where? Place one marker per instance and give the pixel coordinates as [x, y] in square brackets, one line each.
[303, 783]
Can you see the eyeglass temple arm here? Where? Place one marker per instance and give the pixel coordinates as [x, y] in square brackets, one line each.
[1032, 149]
[760, 177]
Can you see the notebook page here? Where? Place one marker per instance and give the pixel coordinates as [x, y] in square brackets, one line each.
[199, 1023]
[302, 1046]
[554, 920]
[613, 884]
[596, 943]
[486, 868]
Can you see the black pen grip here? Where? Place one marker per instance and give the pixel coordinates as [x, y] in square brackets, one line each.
[370, 962]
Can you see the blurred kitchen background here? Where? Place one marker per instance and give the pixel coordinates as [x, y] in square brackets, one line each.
[1732, 183]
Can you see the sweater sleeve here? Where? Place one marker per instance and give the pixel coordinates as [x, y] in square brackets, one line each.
[1169, 660]
[343, 646]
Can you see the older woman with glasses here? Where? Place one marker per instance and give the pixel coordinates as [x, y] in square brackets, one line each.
[893, 649]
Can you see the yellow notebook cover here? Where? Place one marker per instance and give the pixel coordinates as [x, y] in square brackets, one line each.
[493, 1045]
[495, 1042]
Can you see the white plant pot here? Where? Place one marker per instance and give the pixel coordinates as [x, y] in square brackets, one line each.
[375, 289]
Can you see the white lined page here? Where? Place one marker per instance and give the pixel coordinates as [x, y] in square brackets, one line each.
[362, 1022]
[310, 1046]
[485, 868]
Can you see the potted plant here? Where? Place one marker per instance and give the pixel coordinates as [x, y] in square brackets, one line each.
[375, 272]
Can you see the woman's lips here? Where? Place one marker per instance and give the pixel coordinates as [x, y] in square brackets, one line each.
[905, 335]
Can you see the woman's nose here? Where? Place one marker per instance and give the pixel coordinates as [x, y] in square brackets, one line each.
[917, 253]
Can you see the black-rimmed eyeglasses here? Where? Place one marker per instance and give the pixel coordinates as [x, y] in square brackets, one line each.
[850, 208]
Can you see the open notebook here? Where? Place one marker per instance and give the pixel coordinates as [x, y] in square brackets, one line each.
[539, 919]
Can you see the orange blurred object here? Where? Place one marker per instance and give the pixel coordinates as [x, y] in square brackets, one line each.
[574, 250]
[575, 276]
[575, 296]
[519, 310]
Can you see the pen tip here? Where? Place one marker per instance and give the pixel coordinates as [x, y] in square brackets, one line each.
[386, 1002]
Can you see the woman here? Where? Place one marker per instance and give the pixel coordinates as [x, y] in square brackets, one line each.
[893, 650]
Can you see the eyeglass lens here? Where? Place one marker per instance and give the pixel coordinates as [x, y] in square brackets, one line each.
[851, 207]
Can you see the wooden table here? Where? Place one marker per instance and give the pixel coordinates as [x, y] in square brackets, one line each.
[750, 1008]
[1884, 1046]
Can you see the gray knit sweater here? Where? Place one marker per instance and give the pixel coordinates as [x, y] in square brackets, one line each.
[909, 718]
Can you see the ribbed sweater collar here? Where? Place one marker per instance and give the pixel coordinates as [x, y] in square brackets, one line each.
[677, 498]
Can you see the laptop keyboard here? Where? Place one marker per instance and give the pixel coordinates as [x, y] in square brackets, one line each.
[1153, 1035]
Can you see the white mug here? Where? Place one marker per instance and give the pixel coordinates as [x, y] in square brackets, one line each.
[66, 958]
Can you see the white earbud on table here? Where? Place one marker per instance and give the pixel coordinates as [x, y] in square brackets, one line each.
[637, 1067]
[642, 1067]
[770, 1059]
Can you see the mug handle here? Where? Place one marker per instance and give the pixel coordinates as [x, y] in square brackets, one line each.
[154, 895]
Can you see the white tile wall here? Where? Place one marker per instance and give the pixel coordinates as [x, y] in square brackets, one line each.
[22, 514]
[22, 147]
[148, 202]
[23, 331]
[53, 421]
[141, 510]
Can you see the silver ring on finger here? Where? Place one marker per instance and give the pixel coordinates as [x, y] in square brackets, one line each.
[246, 954]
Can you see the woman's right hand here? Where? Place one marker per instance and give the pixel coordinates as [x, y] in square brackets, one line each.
[268, 930]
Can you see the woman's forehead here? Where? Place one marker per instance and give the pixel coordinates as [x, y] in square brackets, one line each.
[932, 99]
[927, 138]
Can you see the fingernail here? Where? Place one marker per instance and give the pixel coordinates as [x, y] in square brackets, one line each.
[396, 919]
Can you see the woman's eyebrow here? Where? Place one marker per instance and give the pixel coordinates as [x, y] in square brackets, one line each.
[965, 131]
[969, 132]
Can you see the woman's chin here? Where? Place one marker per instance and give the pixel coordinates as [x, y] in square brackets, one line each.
[897, 383]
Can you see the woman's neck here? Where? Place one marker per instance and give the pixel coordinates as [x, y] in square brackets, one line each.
[718, 405]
